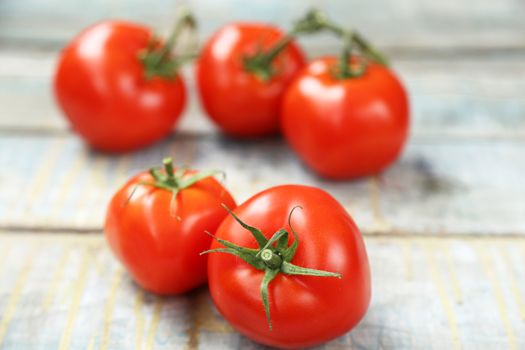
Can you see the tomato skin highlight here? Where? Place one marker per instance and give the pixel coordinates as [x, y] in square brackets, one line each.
[101, 87]
[159, 239]
[240, 103]
[305, 310]
[347, 128]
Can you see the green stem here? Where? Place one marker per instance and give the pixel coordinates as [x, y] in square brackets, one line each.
[351, 35]
[345, 69]
[370, 50]
[159, 61]
[168, 167]
[261, 62]
[271, 259]
[271, 54]
[350, 39]
[185, 20]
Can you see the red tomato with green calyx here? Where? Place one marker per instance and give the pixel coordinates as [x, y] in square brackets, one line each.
[240, 81]
[289, 268]
[118, 86]
[346, 127]
[156, 225]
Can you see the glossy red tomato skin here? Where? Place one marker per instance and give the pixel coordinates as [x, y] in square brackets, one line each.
[305, 310]
[158, 239]
[346, 128]
[100, 86]
[240, 103]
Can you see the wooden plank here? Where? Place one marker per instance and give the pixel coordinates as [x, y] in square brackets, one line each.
[448, 186]
[461, 185]
[434, 25]
[27, 100]
[451, 96]
[67, 291]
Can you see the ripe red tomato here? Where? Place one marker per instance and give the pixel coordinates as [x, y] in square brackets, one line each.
[241, 102]
[158, 235]
[102, 88]
[346, 128]
[305, 307]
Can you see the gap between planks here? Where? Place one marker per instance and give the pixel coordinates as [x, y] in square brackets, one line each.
[391, 233]
[416, 135]
[395, 52]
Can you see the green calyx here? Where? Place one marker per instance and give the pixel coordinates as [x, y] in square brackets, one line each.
[170, 180]
[158, 60]
[273, 256]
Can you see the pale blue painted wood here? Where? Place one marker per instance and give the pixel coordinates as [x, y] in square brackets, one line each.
[410, 23]
[449, 185]
[465, 97]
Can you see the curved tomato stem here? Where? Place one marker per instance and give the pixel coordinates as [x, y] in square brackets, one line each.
[369, 50]
[272, 257]
[351, 40]
[351, 35]
[158, 60]
[185, 20]
[261, 63]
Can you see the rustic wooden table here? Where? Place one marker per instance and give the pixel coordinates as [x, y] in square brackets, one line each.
[444, 226]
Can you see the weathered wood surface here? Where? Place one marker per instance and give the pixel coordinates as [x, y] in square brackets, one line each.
[440, 186]
[473, 97]
[69, 293]
[411, 24]
[444, 227]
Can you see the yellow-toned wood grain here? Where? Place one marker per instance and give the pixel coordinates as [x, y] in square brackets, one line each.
[438, 256]
[96, 183]
[110, 305]
[16, 292]
[44, 172]
[512, 278]
[406, 255]
[379, 224]
[139, 319]
[154, 324]
[487, 264]
[445, 247]
[78, 290]
[446, 302]
[68, 182]
[56, 278]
